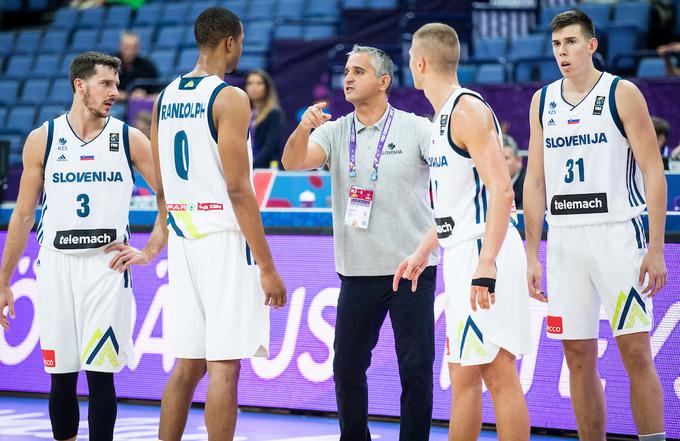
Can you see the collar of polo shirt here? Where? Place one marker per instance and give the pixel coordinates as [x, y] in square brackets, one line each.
[378, 125]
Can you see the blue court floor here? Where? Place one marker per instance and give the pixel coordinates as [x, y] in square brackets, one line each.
[27, 419]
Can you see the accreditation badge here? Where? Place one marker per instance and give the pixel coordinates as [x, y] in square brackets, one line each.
[359, 207]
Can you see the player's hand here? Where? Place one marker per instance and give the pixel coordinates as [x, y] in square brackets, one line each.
[274, 289]
[534, 278]
[6, 301]
[126, 256]
[314, 116]
[410, 268]
[654, 266]
[480, 295]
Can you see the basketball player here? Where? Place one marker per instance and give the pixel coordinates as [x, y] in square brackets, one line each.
[590, 133]
[487, 317]
[221, 273]
[82, 163]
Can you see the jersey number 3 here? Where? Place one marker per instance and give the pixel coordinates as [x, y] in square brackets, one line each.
[569, 178]
[182, 155]
[84, 208]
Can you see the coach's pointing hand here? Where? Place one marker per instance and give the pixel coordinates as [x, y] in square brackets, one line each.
[314, 116]
[274, 289]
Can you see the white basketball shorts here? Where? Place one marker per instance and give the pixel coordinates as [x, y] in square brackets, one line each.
[592, 266]
[84, 312]
[474, 338]
[216, 307]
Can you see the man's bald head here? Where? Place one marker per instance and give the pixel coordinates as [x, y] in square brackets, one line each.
[438, 44]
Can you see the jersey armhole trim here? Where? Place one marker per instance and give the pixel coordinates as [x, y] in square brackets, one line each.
[211, 102]
[158, 108]
[541, 105]
[612, 107]
[454, 146]
[126, 147]
[50, 134]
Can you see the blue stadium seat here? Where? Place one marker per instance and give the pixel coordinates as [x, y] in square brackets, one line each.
[15, 147]
[148, 14]
[258, 36]
[65, 18]
[288, 32]
[91, 18]
[60, 92]
[188, 39]
[546, 16]
[3, 115]
[523, 71]
[50, 111]
[322, 9]
[18, 66]
[34, 91]
[11, 5]
[186, 60]
[548, 70]
[466, 74]
[528, 46]
[169, 37]
[290, 9]
[490, 74]
[109, 41]
[198, 7]
[653, 67]
[27, 42]
[238, 7]
[175, 13]
[145, 34]
[318, 32]
[84, 40]
[383, 4]
[55, 40]
[621, 40]
[38, 5]
[45, 66]
[63, 70]
[599, 13]
[632, 14]
[20, 119]
[354, 4]
[251, 61]
[260, 10]
[6, 42]
[487, 48]
[9, 90]
[118, 16]
[164, 59]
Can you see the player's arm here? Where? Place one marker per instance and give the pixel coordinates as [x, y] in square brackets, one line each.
[23, 216]
[473, 128]
[534, 200]
[632, 109]
[142, 160]
[232, 117]
[300, 153]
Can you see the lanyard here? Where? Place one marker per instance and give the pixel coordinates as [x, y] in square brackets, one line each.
[378, 152]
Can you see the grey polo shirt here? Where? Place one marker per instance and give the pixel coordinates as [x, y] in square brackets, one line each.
[401, 213]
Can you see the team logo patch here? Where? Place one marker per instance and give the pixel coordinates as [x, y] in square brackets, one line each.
[553, 108]
[62, 144]
[599, 105]
[551, 122]
[573, 121]
[471, 340]
[630, 309]
[443, 120]
[49, 358]
[554, 325]
[87, 157]
[62, 158]
[391, 150]
[100, 347]
[114, 142]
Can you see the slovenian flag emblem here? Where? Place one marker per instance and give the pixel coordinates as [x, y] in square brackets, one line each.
[87, 157]
[573, 121]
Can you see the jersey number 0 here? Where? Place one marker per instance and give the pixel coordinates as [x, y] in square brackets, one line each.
[182, 155]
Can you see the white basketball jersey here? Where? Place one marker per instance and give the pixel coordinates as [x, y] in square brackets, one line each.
[459, 195]
[590, 173]
[88, 185]
[191, 171]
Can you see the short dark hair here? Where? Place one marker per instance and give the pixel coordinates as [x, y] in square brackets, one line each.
[85, 65]
[574, 16]
[214, 25]
[661, 126]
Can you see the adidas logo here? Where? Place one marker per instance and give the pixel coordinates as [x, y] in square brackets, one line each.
[551, 122]
[62, 158]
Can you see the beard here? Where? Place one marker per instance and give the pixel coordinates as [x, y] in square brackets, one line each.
[88, 101]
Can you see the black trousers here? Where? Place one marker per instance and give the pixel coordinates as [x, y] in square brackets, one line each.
[363, 305]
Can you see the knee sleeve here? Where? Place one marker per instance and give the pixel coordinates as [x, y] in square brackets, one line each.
[63, 405]
[103, 407]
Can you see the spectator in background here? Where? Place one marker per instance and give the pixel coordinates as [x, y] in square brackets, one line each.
[515, 167]
[661, 128]
[668, 51]
[134, 67]
[143, 122]
[266, 119]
